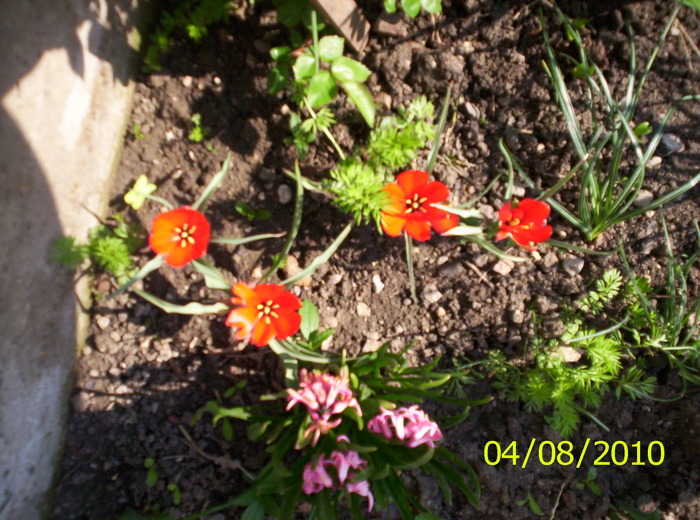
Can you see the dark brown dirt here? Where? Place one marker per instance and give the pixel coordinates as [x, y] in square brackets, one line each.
[144, 373]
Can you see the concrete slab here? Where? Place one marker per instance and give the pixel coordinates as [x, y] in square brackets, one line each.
[64, 102]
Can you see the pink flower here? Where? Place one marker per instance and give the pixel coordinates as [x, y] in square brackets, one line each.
[411, 425]
[325, 396]
[317, 478]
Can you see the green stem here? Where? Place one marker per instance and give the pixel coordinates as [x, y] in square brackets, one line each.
[409, 262]
[314, 32]
[326, 131]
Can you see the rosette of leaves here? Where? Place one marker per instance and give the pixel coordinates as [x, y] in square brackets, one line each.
[320, 72]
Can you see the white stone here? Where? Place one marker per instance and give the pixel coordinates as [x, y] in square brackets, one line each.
[644, 197]
[503, 267]
[377, 284]
[363, 310]
[284, 194]
[572, 265]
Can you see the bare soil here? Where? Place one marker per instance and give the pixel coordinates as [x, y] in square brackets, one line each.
[144, 373]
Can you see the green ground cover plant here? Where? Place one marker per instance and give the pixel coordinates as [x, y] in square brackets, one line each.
[614, 152]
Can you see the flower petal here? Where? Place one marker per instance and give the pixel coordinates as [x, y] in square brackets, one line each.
[534, 210]
[263, 332]
[505, 213]
[268, 291]
[392, 225]
[244, 319]
[434, 191]
[287, 300]
[440, 220]
[411, 180]
[246, 295]
[418, 229]
[287, 324]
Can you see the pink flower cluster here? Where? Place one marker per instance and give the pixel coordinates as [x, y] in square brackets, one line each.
[325, 396]
[317, 477]
[410, 425]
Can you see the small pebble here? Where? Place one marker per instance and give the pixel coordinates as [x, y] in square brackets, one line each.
[102, 322]
[572, 265]
[671, 143]
[284, 194]
[472, 110]
[94, 373]
[187, 81]
[567, 353]
[335, 278]
[441, 312]
[377, 284]
[654, 162]
[644, 197]
[363, 310]
[518, 191]
[487, 211]
[431, 294]
[503, 267]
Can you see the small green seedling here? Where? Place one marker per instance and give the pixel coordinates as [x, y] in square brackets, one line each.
[532, 504]
[589, 482]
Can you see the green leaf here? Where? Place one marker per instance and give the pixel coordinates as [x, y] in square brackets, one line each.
[347, 69]
[322, 89]
[67, 252]
[390, 6]
[330, 48]
[250, 212]
[304, 67]
[362, 99]
[255, 511]
[212, 276]
[411, 7]
[309, 318]
[151, 477]
[642, 129]
[291, 12]
[190, 308]
[432, 6]
[277, 52]
[213, 184]
[141, 189]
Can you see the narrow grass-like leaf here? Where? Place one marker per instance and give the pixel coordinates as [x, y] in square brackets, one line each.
[213, 184]
[150, 266]
[212, 276]
[244, 240]
[320, 259]
[296, 223]
[192, 308]
[432, 157]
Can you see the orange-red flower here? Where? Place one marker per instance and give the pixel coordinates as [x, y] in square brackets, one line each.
[266, 311]
[180, 235]
[526, 223]
[410, 208]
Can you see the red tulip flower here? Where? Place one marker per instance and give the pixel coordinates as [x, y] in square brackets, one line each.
[180, 235]
[410, 208]
[526, 223]
[266, 311]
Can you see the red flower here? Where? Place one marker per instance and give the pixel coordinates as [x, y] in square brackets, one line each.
[180, 235]
[526, 223]
[267, 311]
[411, 207]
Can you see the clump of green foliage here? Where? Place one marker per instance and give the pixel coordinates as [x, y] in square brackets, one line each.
[413, 7]
[357, 182]
[664, 319]
[189, 17]
[109, 249]
[569, 389]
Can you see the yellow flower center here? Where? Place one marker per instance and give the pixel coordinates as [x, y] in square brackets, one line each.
[184, 234]
[267, 309]
[415, 204]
